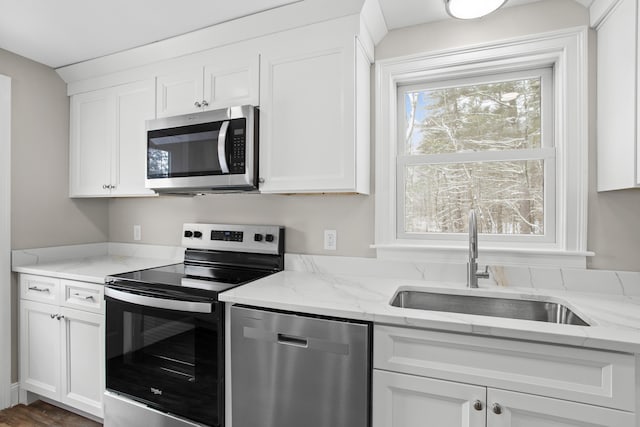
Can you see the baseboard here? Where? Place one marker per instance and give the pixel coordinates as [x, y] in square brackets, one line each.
[15, 394]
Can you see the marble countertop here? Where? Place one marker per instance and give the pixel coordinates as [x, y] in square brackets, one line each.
[614, 319]
[92, 269]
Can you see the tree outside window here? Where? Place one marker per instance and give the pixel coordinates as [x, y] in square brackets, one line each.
[473, 146]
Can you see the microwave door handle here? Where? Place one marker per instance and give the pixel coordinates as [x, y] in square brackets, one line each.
[222, 147]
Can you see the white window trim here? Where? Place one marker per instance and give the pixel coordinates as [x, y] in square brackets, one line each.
[566, 51]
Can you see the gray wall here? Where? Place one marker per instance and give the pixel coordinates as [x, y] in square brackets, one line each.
[41, 213]
[306, 218]
[613, 234]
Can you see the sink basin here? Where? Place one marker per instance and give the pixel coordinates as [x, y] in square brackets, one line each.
[540, 311]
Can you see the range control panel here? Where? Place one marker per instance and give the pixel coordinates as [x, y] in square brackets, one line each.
[267, 239]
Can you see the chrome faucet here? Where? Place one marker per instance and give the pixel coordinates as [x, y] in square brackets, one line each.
[472, 266]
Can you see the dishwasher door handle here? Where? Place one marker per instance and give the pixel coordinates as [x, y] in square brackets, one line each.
[293, 340]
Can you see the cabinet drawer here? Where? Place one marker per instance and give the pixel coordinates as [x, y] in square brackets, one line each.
[82, 295]
[581, 375]
[39, 288]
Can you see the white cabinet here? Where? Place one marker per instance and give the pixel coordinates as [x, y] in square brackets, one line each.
[462, 380]
[314, 118]
[62, 341]
[509, 409]
[231, 79]
[108, 140]
[618, 150]
[411, 401]
[40, 349]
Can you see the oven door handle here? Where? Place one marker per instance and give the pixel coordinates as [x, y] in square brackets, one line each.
[222, 147]
[169, 304]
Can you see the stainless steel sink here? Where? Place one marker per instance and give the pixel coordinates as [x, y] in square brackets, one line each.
[540, 311]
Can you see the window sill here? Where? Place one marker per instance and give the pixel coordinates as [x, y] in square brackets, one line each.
[487, 256]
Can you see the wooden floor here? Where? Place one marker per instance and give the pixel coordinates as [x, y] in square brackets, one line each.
[42, 414]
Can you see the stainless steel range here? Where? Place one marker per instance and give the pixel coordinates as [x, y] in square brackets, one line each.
[165, 326]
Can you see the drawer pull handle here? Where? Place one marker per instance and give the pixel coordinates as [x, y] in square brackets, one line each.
[37, 289]
[53, 316]
[293, 340]
[88, 297]
[497, 409]
[477, 405]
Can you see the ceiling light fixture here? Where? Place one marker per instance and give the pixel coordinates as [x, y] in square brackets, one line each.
[472, 9]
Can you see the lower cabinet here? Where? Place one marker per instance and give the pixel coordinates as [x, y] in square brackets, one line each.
[62, 348]
[428, 378]
[401, 400]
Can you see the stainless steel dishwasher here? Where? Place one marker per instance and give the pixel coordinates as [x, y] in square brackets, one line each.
[290, 370]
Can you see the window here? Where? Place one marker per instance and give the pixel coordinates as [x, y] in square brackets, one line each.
[482, 143]
[500, 129]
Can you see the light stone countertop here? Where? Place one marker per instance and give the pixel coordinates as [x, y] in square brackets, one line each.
[614, 319]
[361, 289]
[92, 269]
[93, 262]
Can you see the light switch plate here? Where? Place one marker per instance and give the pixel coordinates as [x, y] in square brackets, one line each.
[330, 240]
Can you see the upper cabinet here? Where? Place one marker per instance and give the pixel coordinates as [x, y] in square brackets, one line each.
[232, 78]
[312, 85]
[107, 142]
[618, 110]
[314, 117]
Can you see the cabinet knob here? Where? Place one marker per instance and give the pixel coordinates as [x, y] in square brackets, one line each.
[197, 104]
[477, 405]
[497, 409]
[53, 316]
[261, 180]
[59, 316]
[104, 186]
[205, 103]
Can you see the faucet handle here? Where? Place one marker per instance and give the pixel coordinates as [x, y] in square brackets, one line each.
[484, 274]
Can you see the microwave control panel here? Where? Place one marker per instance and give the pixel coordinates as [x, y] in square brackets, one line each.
[238, 146]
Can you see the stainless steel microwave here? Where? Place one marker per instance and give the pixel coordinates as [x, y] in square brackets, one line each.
[211, 151]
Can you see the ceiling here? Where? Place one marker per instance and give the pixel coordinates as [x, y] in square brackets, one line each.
[63, 32]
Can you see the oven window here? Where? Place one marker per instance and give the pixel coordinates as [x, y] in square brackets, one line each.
[169, 360]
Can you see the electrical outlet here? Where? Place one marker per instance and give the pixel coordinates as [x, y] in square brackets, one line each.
[137, 232]
[330, 240]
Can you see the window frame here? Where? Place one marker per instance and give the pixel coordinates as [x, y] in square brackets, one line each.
[565, 52]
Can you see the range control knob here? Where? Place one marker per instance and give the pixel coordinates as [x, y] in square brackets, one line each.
[269, 237]
[257, 237]
[188, 233]
[197, 234]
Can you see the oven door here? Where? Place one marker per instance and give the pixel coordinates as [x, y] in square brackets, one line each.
[166, 350]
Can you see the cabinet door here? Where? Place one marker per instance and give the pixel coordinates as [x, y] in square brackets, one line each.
[40, 348]
[91, 133]
[307, 119]
[82, 356]
[233, 80]
[616, 99]
[134, 104]
[509, 409]
[401, 400]
[178, 92]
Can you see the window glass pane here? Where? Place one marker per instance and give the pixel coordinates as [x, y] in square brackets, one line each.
[479, 117]
[508, 197]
